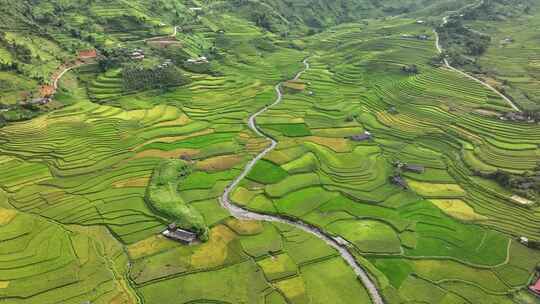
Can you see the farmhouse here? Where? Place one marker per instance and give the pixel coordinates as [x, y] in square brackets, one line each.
[39, 101]
[508, 40]
[361, 137]
[523, 240]
[414, 168]
[184, 236]
[399, 181]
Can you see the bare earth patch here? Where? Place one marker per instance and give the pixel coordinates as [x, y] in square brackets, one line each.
[521, 200]
[486, 112]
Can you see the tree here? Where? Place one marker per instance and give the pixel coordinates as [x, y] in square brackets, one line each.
[410, 69]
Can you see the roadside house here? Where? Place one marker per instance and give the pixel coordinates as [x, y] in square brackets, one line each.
[184, 236]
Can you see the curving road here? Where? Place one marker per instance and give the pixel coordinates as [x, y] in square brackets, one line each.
[339, 244]
[449, 66]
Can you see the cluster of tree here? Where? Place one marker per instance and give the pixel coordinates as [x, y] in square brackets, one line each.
[19, 113]
[526, 184]
[137, 77]
[499, 9]
[462, 44]
[533, 114]
[112, 57]
[200, 68]
[2, 118]
[19, 51]
[534, 245]
[410, 69]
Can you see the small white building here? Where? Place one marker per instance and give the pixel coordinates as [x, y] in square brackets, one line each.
[198, 60]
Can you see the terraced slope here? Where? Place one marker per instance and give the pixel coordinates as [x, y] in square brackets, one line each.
[449, 219]
[89, 165]
[76, 227]
[510, 62]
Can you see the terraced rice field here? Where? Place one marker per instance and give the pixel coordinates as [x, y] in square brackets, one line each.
[327, 180]
[84, 179]
[76, 227]
[513, 56]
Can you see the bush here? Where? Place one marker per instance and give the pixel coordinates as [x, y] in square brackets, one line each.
[136, 77]
[460, 42]
[162, 195]
[526, 184]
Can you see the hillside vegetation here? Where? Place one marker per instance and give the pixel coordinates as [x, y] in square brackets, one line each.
[163, 196]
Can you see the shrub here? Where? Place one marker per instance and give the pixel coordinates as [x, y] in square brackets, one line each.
[136, 77]
[162, 195]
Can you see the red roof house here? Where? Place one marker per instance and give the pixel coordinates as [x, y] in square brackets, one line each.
[87, 54]
[535, 287]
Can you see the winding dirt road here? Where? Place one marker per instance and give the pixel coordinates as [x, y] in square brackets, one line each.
[449, 66]
[339, 244]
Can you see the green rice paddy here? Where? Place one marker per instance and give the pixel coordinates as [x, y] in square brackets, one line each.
[85, 190]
